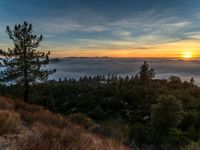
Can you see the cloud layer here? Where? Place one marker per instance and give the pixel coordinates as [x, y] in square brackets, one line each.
[79, 67]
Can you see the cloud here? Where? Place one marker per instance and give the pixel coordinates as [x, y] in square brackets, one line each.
[96, 28]
[70, 26]
[182, 24]
[193, 35]
[86, 30]
[148, 23]
[123, 34]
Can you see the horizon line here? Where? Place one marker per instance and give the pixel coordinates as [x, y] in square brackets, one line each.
[108, 57]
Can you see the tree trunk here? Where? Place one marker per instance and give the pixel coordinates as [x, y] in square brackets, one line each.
[26, 84]
[26, 93]
[26, 88]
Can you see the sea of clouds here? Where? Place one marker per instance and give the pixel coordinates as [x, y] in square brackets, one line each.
[79, 67]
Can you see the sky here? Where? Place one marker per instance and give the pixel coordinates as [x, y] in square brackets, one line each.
[108, 28]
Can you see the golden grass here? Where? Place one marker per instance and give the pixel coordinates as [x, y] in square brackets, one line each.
[10, 122]
[46, 130]
[43, 137]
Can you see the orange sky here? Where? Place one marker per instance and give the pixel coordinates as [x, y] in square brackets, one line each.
[166, 50]
[122, 49]
[106, 28]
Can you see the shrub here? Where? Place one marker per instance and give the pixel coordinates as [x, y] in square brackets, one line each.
[167, 113]
[98, 113]
[112, 129]
[141, 133]
[177, 137]
[9, 122]
[102, 131]
[193, 133]
[82, 119]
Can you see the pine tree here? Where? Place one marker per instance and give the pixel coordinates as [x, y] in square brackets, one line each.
[167, 113]
[146, 73]
[24, 63]
[192, 81]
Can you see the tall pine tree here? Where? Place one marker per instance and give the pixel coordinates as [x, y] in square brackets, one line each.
[146, 73]
[24, 64]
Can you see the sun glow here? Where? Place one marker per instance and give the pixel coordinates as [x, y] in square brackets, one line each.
[187, 55]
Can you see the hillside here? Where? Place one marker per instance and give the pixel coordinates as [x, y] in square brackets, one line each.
[139, 111]
[30, 127]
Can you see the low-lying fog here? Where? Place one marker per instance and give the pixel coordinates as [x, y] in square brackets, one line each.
[79, 67]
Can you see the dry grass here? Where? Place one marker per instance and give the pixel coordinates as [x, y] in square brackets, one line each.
[43, 130]
[10, 122]
[43, 137]
[81, 119]
[44, 117]
[6, 103]
[20, 105]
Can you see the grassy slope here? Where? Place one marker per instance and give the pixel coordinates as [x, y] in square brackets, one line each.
[30, 127]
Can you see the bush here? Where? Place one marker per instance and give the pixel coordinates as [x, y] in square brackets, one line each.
[141, 133]
[82, 120]
[167, 113]
[193, 133]
[102, 131]
[177, 138]
[98, 113]
[9, 122]
[115, 130]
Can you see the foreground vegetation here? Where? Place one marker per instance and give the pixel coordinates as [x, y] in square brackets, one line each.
[30, 127]
[150, 114]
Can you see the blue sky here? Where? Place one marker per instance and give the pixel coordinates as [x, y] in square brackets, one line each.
[108, 27]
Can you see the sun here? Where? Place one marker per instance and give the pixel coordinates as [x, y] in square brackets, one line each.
[187, 55]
